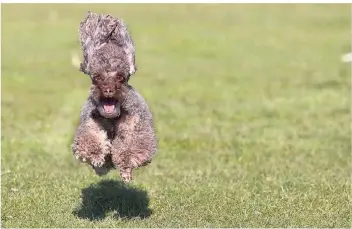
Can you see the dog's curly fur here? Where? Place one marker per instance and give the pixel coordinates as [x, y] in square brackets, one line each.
[124, 137]
[106, 44]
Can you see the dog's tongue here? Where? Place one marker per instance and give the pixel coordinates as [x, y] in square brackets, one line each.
[109, 108]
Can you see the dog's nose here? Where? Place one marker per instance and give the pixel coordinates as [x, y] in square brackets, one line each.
[108, 92]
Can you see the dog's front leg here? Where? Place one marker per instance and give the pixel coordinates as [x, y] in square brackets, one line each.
[126, 159]
[120, 148]
[90, 144]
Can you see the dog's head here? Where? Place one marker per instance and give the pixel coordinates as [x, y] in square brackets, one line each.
[107, 94]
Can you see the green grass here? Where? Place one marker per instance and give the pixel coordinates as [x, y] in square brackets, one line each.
[251, 106]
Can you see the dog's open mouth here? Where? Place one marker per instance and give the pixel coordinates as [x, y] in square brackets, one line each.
[109, 105]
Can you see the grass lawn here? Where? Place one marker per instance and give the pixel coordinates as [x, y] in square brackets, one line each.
[251, 106]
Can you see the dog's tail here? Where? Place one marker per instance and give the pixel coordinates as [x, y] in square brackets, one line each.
[97, 30]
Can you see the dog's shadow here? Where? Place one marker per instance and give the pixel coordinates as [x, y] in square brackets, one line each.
[109, 195]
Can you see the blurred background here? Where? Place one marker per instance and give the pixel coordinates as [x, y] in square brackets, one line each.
[250, 103]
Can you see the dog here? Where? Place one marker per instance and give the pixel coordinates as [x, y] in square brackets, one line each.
[116, 128]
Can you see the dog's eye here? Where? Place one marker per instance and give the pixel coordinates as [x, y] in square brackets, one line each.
[97, 78]
[119, 77]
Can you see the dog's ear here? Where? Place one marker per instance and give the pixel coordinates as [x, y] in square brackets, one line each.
[128, 77]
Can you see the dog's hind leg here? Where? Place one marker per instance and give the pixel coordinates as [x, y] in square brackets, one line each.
[91, 145]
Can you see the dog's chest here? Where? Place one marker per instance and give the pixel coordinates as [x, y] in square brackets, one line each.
[123, 127]
[126, 125]
[108, 125]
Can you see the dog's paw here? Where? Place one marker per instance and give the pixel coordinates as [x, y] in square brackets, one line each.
[97, 162]
[127, 178]
[80, 157]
